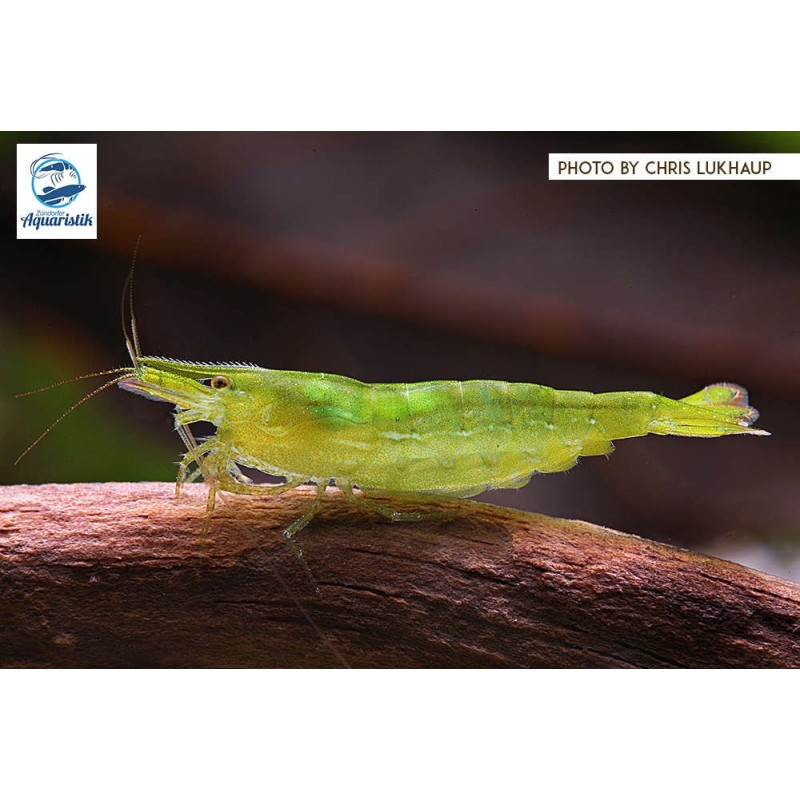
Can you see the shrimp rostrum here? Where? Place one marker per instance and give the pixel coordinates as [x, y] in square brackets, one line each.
[434, 439]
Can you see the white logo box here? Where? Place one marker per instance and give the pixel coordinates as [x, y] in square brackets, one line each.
[56, 191]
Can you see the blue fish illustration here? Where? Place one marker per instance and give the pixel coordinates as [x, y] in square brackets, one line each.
[52, 197]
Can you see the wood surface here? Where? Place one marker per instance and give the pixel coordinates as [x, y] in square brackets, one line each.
[115, 575]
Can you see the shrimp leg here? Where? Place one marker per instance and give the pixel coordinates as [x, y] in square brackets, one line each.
[298, 525]
[229, 483]
[301, 522]
[194, 451]
[385, 511]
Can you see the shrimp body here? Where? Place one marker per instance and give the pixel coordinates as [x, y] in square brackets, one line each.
[442, 438]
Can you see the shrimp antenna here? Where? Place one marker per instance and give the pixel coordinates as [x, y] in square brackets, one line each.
[114, 371]
[64, 415]
[132, 339]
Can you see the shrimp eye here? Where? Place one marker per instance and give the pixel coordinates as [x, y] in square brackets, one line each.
[220, 382]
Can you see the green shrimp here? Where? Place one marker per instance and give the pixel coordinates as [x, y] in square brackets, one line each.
[422, 440]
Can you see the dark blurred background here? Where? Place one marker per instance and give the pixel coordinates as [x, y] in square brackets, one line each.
[405, 257]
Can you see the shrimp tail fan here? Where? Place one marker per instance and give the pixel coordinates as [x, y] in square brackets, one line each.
[717, 410]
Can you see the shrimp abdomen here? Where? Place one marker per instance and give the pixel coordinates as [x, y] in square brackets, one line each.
[458, 438]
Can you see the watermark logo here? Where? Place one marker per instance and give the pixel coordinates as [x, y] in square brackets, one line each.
[57, 191]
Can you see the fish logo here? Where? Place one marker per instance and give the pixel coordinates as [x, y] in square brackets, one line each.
[55, 182]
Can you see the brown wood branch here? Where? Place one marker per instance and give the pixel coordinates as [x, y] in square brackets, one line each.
[114, 575]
